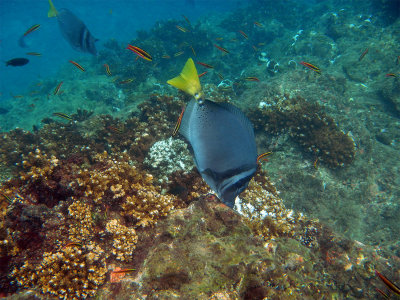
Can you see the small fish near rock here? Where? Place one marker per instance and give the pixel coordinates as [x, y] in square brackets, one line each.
[17, 62]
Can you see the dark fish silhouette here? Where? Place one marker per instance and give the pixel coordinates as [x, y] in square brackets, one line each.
[224, 146]
[221, 136]
[74, 30]
[17, 62]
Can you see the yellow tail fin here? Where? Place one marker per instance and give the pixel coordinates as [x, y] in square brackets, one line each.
[188, 81]
[52, 11]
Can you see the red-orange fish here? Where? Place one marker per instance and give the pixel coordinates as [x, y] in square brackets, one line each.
[107, 69]
[221, 49]
[311, 67]
[33, 28]
[363, 54]
[77, 65]
[202, 74]
[394, 288]
[72, 244]
[391, 75]
[243, 34]
[262, 156]
[178, 123]
[205, 65]
[258, 24]
[140, 52]
[57, 89]
[252, 78]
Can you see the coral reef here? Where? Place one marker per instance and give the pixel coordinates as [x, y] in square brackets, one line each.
[70, 273]
[309, 126]
[168, 156]
[124, 239]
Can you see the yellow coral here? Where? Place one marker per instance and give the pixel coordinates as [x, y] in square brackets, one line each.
[71, 273]
[81, 228]
[147, 205]
[124, 240]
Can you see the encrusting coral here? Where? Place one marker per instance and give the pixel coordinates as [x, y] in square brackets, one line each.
[308, 125]
[124, 239]
[70, 273]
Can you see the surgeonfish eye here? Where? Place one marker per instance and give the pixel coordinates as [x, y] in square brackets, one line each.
[199, 98]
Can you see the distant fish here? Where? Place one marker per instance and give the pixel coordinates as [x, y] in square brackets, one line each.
[394, 288]
[258, 24]
[74, 30]
[205, 65]
[202, 74]
[221, 136]
[140, 52]
[243, 34]
[221, 49]
[21, 40]
[33, 53]
[391, 75]
[311, 67]
[31, 29]
[107, 69]
[62, 115]
[57, 89]
[363, 54]
[183, 29]
[179, 53]
[252, 78]
[187, 20]
[77, 65]
[17, 62]
[178, 123]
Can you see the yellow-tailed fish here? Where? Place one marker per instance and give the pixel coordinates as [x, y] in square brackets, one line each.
[52, 11]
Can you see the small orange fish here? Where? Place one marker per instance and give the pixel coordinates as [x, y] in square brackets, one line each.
[394, 288]
[221, 49]
[57, 89]
[183, 29]
[123, 271]
[17, 96]
[315, 164]
[202, 74]
[140, 52]
[311, 67]
[391, 75]
[258, 24]
[187, 20]
[72, 244]
[252, 78]
[114, 129]
[77, 65]
[129, 80]
[262, 156]
[107, 69]
[363, 54]
[219, 38]
[33, 28]
[205, 65]
[243, 34]
[166, 56]
[178, 123]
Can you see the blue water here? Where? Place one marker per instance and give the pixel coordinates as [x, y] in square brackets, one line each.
[119, 19]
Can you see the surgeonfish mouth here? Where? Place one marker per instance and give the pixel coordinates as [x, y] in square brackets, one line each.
[76, 32]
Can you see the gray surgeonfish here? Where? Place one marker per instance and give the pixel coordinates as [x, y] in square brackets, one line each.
[223, 143]
[74, 30]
